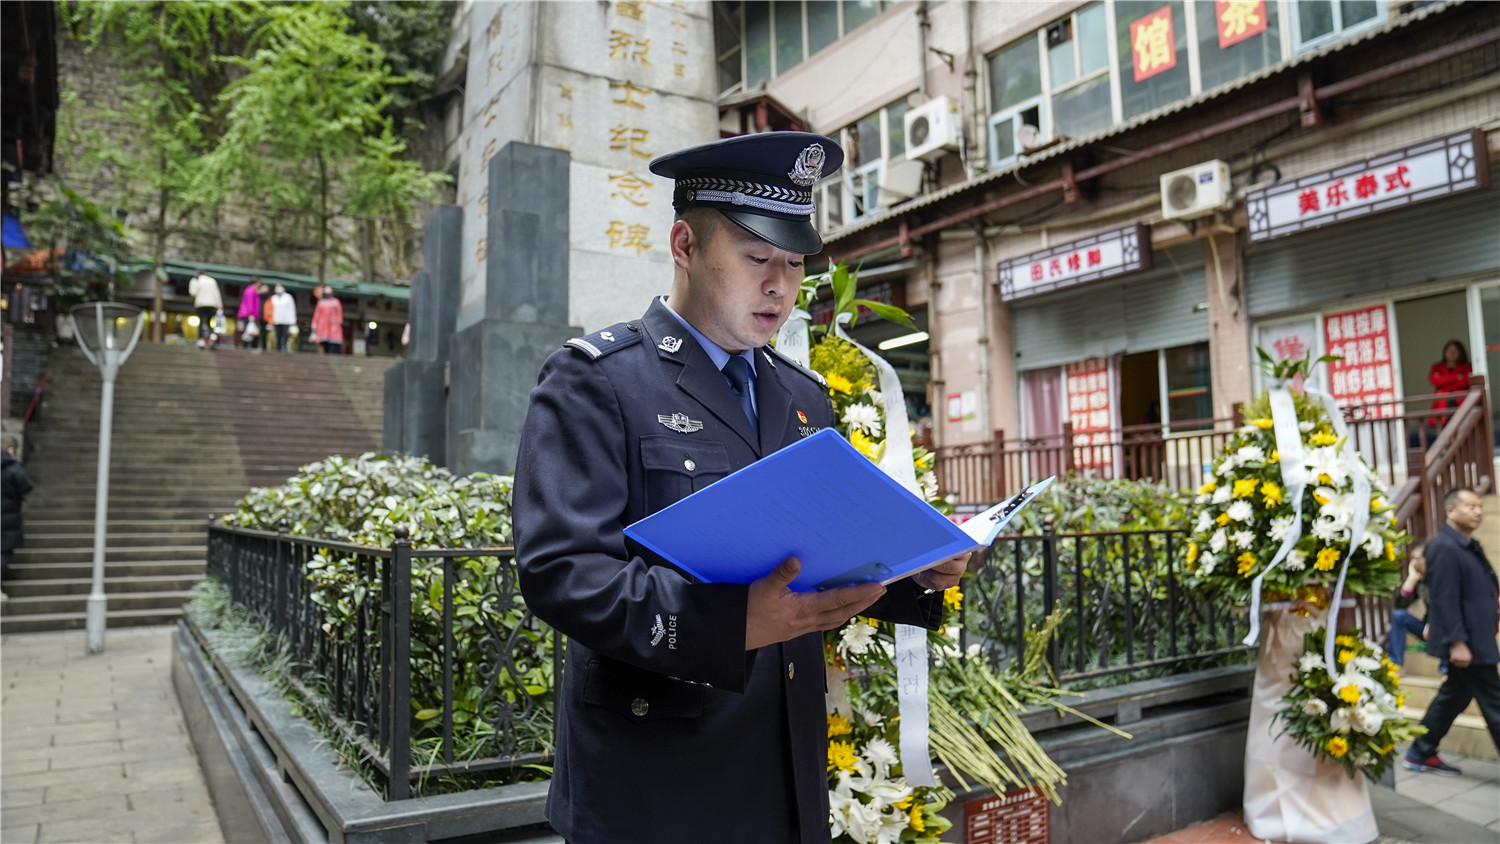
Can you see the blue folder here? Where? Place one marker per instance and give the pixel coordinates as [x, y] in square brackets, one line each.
[823, 502]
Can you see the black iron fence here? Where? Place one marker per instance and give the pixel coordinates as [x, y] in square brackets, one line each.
[1129, 610]
[404, 647]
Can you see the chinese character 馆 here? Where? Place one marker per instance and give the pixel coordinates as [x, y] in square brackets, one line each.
[1152, 44]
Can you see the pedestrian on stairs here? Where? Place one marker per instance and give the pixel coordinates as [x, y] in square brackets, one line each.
[283, 316]
[248, 315]
[328, 322]
[207, 302]
[1462, 616]
[14, 486]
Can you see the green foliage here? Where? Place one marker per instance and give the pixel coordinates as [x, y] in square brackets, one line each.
[413, 34]
[1078, 504]
[94, 244]
[309, 133]
[1286, 370]
[362, 501]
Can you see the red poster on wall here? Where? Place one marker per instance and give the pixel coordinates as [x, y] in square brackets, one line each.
[1239, 20]
[1090, 411]
[1366, 373]
[1153, 46]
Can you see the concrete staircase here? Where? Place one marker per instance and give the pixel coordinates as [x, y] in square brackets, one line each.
[193, 430]
[1469, 737]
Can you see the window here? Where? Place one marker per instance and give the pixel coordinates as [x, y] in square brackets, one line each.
[870, 144]
[758, 40]
[1188, 383]
[1152, 41]
[1015, 97]
[1075, 76]
[1236, 42]
[1322, 21]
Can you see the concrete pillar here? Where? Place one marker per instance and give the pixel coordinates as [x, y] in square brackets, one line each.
[1229, 341]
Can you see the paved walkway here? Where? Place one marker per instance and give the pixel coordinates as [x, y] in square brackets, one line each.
[93, 748]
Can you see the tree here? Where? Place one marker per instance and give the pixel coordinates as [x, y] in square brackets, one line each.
[308, 131]
[174, 75]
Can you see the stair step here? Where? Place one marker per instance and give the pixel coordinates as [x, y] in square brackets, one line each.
[36, 527]
[112, 585]
[67, 571]
[48, 604]
[75, 620]
[115, 554]
[85, 538]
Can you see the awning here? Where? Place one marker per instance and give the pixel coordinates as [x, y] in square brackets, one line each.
[228, 274]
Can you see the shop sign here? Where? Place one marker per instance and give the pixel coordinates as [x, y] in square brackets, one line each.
[1239, 20]
[1429, 170]
[1153, 49]
[1102, 256]
[1022, 816]
[1366, 374]
[1090, 410]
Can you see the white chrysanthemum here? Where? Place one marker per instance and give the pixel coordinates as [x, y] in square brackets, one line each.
[1243, 539]
[1248, 430]
[1218, 542]
[874, 395]
[1315, 707]
[1281, 527]
[855, 639]
[1202, 498]
[1305, 427]
[871, 718]
[1205, 522]
[1326, 461]
[1251, 454]
[1229, 464]
[1241, 511]
[1295, 560]
[1310, 662]
[1329, 530]
[1207, 563]
[863, 417]
[881, 756]
[1365, 663]
[1374, 544]
[1222, 494]
[929, 484]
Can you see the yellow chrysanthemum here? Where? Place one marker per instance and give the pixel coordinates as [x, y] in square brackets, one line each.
[1244, 488]
[1385, 750]
[1271, 493]
[1377, 504]
[1400, 701]
[841, 756]
[1390, 551]
[873, 622]
[1207, 488]
[838, 383]
[918, 823]
[1321, 438]
[1223, 519]
[1247, 564]
[905, 803]
[1275, 455]
[1345, 640]
[1344, 656]
[953, 598]
[862, 443]
[838, 725]
[1192, 552]
[1337, 747]
[1327, 559]
[1325, 479]
[1263, 423]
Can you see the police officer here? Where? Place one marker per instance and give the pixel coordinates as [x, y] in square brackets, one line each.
[689, 711]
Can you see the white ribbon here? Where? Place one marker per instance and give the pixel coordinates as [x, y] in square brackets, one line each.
[791, 339]
[897, 460]
[1294, 476]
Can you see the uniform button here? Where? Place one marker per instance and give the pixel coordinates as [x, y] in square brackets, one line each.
[791, 670]
[689, 465]
[639, 706]
[632, 326]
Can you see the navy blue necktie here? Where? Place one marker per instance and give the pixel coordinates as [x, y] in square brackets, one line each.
[738, 371]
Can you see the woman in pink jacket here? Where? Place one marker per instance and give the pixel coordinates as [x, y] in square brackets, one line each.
[328, 322]
[248, 315]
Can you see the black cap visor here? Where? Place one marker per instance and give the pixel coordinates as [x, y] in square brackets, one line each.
[795, 236]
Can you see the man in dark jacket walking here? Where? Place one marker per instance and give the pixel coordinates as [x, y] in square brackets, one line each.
[1462, 613]
[15, 484]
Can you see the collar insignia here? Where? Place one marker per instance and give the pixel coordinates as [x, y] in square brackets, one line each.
[809, 166]
[670, 344]
[658, 630]
[680, 423]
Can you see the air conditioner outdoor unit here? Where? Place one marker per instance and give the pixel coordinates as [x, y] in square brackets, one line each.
[932, 128]
[1196, 191]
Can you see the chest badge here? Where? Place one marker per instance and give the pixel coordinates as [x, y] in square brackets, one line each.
[680, 423]
[802, 417]
[670, 344]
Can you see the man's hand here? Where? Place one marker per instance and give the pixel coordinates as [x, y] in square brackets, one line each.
[944, 575]
[777, 614]
[1459, 654]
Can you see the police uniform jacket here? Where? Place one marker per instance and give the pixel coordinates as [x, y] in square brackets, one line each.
[668, 730]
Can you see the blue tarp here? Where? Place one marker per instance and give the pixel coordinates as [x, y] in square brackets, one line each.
[15, 236]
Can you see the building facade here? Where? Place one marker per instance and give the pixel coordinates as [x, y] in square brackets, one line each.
[1097, 211]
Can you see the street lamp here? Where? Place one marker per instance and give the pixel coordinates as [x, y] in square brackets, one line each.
[107, 333]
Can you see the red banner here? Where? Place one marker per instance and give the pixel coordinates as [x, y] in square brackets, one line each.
[1090, 410]
[1366, 374]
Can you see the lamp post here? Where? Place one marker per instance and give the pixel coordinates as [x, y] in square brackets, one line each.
[107, 333]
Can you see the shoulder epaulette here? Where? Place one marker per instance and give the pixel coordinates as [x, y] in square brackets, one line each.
[611, 339]
[810, 373]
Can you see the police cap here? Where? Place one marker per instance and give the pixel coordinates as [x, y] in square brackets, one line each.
[762, 182]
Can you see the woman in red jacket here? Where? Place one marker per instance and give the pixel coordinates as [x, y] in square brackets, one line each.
[1448, 376]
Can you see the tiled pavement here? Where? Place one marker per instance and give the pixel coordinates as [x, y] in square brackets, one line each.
[1475, 796]
[93, 748]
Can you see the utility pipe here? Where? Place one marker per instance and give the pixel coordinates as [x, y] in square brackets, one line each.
[982, 260]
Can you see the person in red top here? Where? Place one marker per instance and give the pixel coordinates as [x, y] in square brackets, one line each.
[328, 322]
[1449, 375]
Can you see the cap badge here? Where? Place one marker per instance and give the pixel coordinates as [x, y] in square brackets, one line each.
[670, 344]
[680, 423]
[809, 166]
[802, 417]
